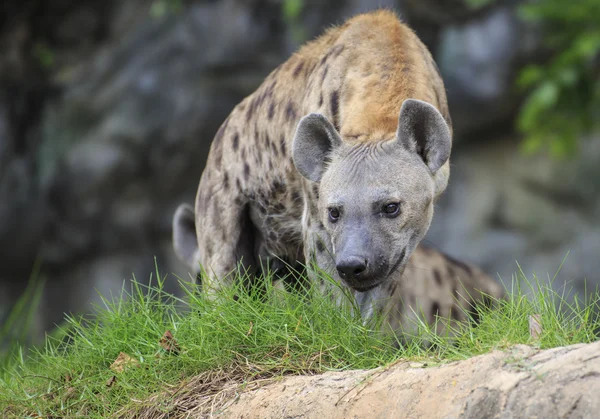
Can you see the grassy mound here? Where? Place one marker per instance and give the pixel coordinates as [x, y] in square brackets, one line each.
[150, 354]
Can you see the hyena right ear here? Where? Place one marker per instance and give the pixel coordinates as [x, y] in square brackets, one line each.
[315, 139]
[185, 243]
[422, 129]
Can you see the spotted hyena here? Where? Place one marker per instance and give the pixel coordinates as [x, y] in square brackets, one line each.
[335, 160]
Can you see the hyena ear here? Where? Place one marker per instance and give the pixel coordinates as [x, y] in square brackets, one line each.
[422, 129]
[185, 243]
[314, 141]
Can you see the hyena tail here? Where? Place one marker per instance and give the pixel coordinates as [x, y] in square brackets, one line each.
[185, 242]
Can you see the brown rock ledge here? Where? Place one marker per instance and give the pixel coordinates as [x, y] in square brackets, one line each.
[522, 382]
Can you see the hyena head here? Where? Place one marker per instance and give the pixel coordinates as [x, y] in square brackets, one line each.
[376, 198]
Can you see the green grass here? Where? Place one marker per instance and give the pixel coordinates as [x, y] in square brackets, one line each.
[246, 341]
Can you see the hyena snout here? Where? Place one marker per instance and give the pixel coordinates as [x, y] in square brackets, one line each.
[358, 261]
[359, 271]
[352, 267]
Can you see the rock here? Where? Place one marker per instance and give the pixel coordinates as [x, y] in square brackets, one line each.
[478, 61]
[519, 383]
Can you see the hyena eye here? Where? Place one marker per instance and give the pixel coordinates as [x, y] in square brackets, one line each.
[334, 214]
[392, 209]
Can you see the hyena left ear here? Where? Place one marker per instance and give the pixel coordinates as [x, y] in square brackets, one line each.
[315, 139]
[422, 129]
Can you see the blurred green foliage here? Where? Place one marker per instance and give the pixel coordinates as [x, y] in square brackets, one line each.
[477, 4]
[563, 94]
[292, 14]
[162, 8]
[292, 9]
[44, 55]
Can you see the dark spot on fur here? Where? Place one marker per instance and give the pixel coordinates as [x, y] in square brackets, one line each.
[243, 153]
[320, 246]
[258, 100]
[238, 184]
[236, 141]
[262, 209]
[335, 105]
[295, 196]
[316, 191]
[321, 226]
[435, 309]
[271, 111]
[267, 141]
[259, 157]
[249, 112]
[246, 171]
[279, 207]
[320, 100]
[209, 245]
[238, 200]
[270, 164]
[459, 263]
[325, 70]
[405, 69]
[226, 180]
[223, 235]
[283, 146]
[274, 148]
[324, 58]
[290, 111]
[278, 186]
[298, 69]
[437, 276]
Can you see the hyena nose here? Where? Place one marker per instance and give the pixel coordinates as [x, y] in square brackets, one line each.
[351, 267]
